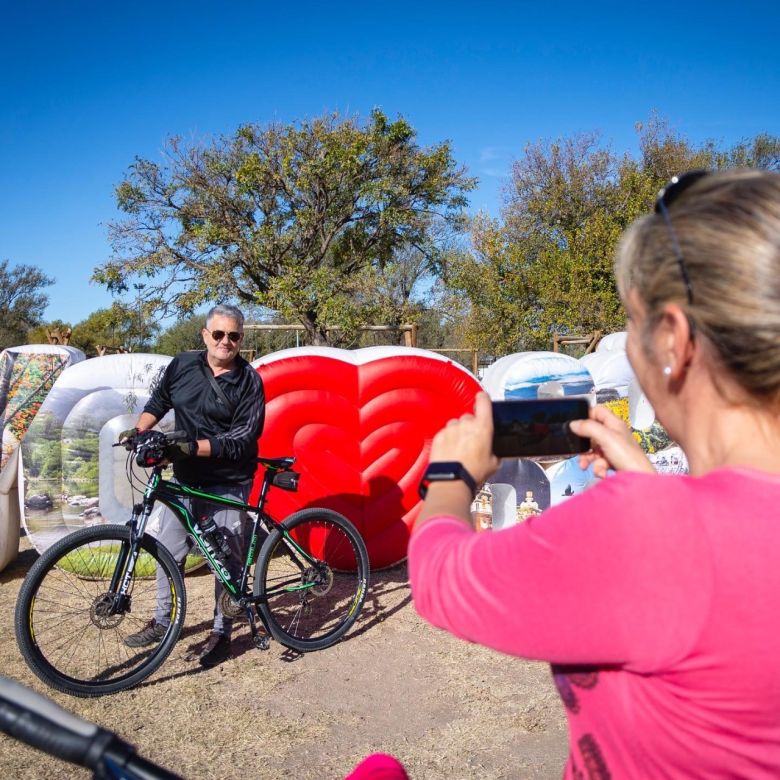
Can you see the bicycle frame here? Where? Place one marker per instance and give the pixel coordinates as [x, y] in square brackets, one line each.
[306, 585]
[170, 494]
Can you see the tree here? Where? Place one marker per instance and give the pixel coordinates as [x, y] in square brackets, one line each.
[117, 328]
[22, 301]
[184, 334]
[546, 265]
[302, 219]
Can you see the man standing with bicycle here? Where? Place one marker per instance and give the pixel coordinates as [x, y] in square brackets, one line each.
[219, 403]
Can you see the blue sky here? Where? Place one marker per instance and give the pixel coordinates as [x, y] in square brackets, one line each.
[86, 87]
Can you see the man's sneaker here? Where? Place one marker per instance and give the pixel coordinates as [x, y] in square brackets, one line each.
[151, 633]
[217, 650]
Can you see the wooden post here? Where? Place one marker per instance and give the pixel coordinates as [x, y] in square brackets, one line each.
[59, 336]
[410, 335]
[589, 341]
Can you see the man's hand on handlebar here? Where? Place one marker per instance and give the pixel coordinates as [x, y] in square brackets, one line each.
[181, 449]
[127, 437]
[155, 448]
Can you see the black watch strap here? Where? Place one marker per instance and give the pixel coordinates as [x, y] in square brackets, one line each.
[446, 471]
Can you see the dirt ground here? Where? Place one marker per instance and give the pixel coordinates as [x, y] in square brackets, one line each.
[445, 708]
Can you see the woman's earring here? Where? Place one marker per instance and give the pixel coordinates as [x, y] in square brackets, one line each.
[667, 370]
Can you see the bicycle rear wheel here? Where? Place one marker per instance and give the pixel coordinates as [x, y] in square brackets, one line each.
[311, 579]
[71, 629]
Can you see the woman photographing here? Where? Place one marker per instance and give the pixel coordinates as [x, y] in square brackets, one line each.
[654, 597]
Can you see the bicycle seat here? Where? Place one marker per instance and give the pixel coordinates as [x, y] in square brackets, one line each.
[276, 464]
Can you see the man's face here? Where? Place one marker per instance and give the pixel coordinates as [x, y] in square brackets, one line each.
[222, 351]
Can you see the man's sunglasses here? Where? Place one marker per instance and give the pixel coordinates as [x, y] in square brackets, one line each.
[218, 335]
[666, 197]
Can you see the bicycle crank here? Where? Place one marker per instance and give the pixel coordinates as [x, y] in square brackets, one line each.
[229, 606]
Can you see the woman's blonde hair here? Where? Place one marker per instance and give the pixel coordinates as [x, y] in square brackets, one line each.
[727, 226]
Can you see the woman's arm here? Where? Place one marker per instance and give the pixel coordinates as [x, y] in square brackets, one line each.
[468, 440]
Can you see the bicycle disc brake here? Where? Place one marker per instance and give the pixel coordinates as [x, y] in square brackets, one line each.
[104, 613]
[321, 577]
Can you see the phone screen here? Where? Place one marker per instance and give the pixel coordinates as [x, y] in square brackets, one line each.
[538, 427]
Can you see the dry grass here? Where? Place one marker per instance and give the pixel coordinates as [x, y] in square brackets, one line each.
[447, 709]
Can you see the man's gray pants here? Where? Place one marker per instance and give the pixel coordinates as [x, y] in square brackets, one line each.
[172, 534]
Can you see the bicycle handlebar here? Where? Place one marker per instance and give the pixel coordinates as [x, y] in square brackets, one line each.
[169, 438]
[39, 722]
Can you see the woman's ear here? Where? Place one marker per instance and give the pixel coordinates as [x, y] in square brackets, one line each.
[674, 341]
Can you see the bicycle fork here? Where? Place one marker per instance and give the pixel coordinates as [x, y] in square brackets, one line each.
[117, 599]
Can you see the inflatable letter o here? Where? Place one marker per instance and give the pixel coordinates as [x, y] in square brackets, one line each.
[360, 424]
[613, 342]
[567, 479]
[535, 375]
[520, 488]
[610, 370]
[73, 476]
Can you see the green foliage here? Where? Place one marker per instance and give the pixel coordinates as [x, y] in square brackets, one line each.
[546, 265]
[22, 302]
[183, 335]
[80, 465]
[119, 327]
[302, 219]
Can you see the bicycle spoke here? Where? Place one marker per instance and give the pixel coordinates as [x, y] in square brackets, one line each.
[313, 579]
[72, 630]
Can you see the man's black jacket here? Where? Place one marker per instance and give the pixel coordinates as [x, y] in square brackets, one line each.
[184, 387]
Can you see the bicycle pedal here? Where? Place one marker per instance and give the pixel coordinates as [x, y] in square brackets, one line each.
[262, 641]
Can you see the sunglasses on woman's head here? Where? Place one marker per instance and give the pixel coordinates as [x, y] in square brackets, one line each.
[666, 197]
[218, 335]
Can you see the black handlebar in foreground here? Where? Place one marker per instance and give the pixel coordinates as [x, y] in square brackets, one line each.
[39, 722]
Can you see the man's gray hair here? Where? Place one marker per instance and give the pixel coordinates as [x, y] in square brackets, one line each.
[226, 310]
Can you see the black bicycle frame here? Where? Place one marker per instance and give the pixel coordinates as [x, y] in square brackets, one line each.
[170, 494]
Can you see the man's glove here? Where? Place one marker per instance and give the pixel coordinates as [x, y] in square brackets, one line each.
[181, 449]
[127, 436]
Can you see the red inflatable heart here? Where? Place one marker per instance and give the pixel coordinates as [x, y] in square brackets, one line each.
[360, 424]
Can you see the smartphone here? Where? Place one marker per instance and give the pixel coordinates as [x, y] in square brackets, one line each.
[539, 427]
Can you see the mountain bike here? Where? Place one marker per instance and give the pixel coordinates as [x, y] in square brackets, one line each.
[94, 587]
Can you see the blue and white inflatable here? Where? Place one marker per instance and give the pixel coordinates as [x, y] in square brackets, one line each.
[537, 375]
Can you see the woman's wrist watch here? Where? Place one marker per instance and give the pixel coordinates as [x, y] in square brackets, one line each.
[446, 471]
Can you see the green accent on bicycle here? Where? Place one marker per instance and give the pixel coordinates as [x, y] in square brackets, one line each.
[189, 523]
[250, 556]
[223, 500]
[302, 586]
[358, 598]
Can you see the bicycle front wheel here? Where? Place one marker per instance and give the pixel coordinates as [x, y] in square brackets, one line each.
[311, 579]
[72, 625]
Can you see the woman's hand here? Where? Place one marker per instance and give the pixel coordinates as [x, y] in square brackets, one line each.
[469, 440]
[614, 447]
